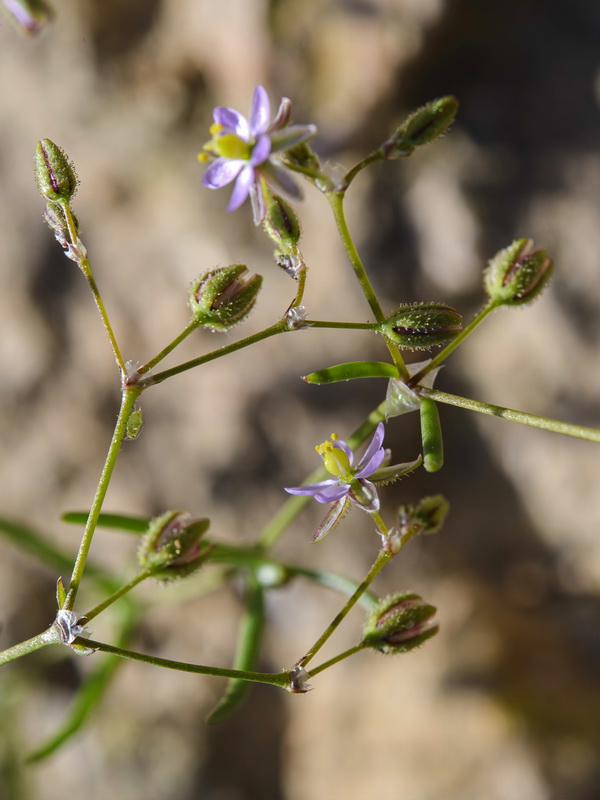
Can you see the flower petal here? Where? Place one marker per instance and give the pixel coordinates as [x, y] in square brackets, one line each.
[310, 489]
[221, 172]
[372, 449]
[241, 188]
[372, 465]
[331, 519]
[332, 493]
[261, 150]
[233, 121]
[284, 112]
[260, 113]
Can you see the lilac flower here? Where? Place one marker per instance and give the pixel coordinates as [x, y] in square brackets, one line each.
[245, 152]
[350, 483]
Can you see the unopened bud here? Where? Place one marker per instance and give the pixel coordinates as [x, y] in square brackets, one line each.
[173, 545]
[302, 156]
[400, 623]
[55, 174]
[56, 219]
[281, 223]
[419, 326]
[422, 126]
[516, 275]
[427, 516]
[224, 296]
[30, 15]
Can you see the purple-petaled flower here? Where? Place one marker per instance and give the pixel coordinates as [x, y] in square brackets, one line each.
[245, 151]
[351, 483]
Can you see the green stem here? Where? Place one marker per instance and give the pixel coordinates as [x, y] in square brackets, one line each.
[43, 639]
[336, 200]
[86, 268]
[171, 346]
[577, 431]
[376, 156]
[128, 398]
[281, 679]
[380, 562]
[117, 595]
[279, 327]
[443, 354]
[364, 326]
[336, 659]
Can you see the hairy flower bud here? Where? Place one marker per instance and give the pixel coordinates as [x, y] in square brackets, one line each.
[427, 516]
[399, 623]
[173, 546]
[30, 15]
[56, 219]
[419, 326]
[54, 173]
[281, 223]
[516, 275]
[224, 296]
[422, 126]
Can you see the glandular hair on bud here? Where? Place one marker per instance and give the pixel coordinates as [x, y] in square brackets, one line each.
[173, 545]
[419, 326]
[423, 126]
[399, 623]
[54, 172]
[517, 275]
[223, 297]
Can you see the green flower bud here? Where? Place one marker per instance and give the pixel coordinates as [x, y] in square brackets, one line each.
[427, 516]
[54, 173]
[56, 219]
[516, 275]
[172, 547]
[422, 126]
[224, 296]
[399, 623]
[302, 156]
[419, 326]
[281, 223]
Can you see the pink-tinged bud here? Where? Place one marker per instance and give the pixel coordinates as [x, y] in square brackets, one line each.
[221, 298]
[30, 15]
[517, 275]
[56, 219]
[419, 326]
[400, 623]
[173, 546]
[54, 173]
[422, 126]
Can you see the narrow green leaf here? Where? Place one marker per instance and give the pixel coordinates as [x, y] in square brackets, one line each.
[431, 435]
[352, 370]
[121, 522]
[248, 650]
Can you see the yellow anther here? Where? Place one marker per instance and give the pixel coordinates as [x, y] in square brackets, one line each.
[215, 128]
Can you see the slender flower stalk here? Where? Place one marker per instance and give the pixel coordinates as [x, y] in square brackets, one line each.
[129, 397]
[554, 425]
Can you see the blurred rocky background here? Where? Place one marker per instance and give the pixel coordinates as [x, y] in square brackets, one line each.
[505, 702]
